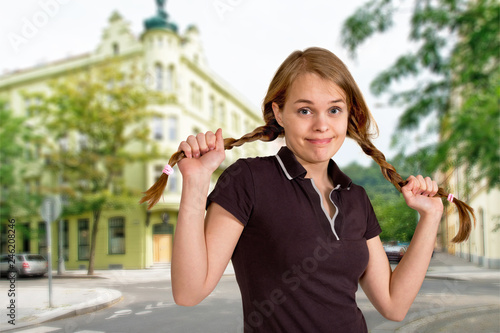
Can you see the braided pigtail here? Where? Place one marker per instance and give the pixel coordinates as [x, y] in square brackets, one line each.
[464, 211]
[268, 132]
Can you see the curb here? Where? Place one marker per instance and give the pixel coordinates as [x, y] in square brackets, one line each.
[108, 298]
[88, 309]
[419, 325]
[77, 276]
[444, 277]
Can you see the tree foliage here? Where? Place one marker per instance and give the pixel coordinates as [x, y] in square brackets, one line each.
[96, 121]
[14, 133]
[397, 220]
[455, 64]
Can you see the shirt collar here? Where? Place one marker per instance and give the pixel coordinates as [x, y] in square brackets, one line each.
[293, 169]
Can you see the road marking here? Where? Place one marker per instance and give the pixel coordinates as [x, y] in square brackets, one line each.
[87, 331]
[143, 313]
[42, 329]
[120, 313]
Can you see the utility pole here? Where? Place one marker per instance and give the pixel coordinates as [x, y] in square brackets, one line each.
[50, 211]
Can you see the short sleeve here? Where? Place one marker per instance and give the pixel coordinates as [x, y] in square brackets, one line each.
[373, 228]
[235, 191]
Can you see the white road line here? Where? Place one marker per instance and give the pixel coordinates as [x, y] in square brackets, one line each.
[143, 313]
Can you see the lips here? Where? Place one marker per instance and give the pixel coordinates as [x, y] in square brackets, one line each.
[320, 141]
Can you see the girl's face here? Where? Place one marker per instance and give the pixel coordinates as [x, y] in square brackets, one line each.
[314, 117]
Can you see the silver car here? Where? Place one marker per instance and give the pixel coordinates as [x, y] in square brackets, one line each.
[23, 264]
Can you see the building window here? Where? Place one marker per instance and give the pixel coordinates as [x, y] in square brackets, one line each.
[192, 87]
[172, 179]
[222, 113]
[26, 239]
[83, 239]
[65, 241]
[172, 183]
[116, 235]
[159, 77]
[236, 122]
[196, 95]
[172, 128]
[42, 239]
[158, 128]
[170, 78]
[116, 49]
[211, 107]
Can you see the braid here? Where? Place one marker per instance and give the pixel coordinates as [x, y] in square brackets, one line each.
[268, 132]
[464, 211]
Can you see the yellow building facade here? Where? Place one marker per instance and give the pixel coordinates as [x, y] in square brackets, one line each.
[483, 245]
[197, 101]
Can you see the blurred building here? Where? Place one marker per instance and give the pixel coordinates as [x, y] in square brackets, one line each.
[198, 100]
[483, 245]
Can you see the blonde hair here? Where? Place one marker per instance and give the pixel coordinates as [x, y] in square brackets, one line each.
[361, 125]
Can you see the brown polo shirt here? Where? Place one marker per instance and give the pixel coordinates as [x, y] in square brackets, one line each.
[297, 268]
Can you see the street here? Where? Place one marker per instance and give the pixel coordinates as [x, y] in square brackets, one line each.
[148, 306]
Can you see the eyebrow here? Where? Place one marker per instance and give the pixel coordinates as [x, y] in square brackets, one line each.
[310, 102]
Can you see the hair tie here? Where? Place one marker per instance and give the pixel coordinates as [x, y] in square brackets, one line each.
[450, 197]
[168, 170]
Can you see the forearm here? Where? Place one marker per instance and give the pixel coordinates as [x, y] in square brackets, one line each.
[409, 274]
[189, 257]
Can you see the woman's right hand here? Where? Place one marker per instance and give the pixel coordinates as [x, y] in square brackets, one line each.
[204, 153]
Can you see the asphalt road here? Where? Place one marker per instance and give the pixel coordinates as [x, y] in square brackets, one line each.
[149, 307]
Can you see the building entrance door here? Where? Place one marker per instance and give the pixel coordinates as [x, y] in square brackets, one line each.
[162, 245]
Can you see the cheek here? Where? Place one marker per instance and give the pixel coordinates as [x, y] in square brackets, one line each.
[341, 127]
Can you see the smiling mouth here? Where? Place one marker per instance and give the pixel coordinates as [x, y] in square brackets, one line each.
[320, 141]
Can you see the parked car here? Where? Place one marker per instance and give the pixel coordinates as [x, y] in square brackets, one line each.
[25, 264]
[395, 252]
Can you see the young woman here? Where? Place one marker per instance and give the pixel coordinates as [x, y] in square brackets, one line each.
[300, 234]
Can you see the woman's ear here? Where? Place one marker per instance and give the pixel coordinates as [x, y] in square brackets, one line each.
[277, 113]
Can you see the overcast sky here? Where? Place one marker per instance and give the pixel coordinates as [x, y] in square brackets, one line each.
[244, 41]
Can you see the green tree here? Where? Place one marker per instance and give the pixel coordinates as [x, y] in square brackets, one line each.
[17, 141]
[10, 146]
[455, 64]
[397, 220]
[96, 122]
[16, 145]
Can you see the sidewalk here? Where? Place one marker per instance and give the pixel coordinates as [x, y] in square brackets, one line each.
[446, 266]
[481, 318]
[33, 305]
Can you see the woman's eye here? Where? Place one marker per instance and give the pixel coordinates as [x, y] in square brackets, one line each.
[304, 111]
[335, 110]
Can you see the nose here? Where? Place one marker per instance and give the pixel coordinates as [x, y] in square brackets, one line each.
[320, 123]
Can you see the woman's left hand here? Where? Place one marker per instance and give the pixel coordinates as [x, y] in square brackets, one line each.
[419, 195]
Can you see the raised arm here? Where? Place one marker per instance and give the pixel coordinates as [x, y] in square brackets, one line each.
[203, 243]
[392, 293]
